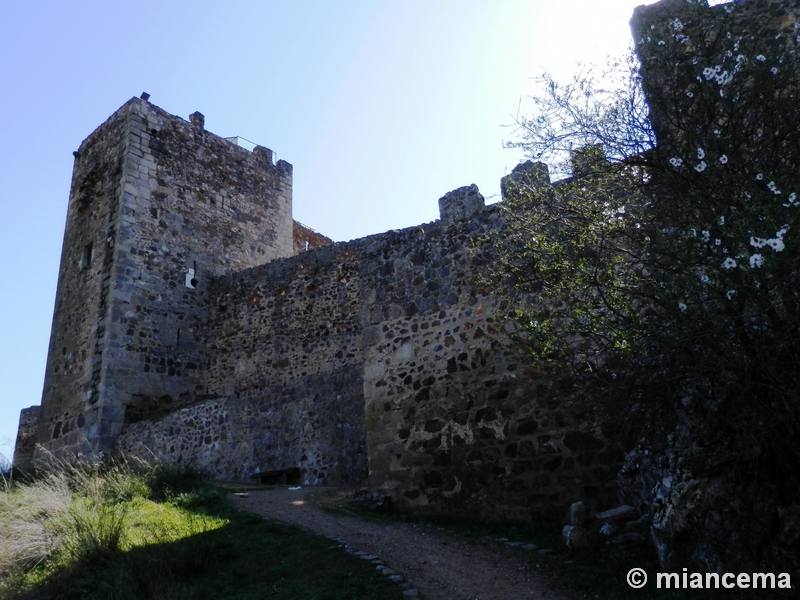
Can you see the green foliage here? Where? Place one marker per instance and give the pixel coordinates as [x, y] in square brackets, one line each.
[606, 108]
[666, 275]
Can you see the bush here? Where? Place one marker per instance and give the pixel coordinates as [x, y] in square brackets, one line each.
[664, 271]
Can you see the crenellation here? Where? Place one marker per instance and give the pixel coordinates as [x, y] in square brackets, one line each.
[461, 203]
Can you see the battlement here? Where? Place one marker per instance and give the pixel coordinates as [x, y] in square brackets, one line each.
[461, 203]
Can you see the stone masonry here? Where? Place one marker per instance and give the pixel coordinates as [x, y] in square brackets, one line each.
[197, 323]
[382, 361]
[158, 208]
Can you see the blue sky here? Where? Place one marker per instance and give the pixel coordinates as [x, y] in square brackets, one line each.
[382, 106]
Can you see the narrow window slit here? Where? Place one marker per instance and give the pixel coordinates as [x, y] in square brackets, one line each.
[86, 258]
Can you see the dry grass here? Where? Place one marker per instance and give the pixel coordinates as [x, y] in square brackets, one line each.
[29, 515]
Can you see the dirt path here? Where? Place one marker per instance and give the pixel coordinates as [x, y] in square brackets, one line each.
[440, 566]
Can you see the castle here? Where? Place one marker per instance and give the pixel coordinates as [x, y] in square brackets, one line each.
[197, 322]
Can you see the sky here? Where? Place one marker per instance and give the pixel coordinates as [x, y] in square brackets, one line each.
[381, 106]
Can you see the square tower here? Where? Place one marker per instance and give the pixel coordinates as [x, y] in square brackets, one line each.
[158, 207]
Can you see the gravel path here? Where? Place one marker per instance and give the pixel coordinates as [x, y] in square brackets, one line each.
[438, 565]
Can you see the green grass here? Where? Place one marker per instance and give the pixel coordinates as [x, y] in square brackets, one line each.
[117, 534]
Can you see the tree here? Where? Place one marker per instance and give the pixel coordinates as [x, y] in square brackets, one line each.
[665, 270]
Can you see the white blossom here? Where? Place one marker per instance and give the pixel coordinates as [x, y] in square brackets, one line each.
[781, 232]
[704, 279]
[721, 220]
[701, 166]
[676, 162]
[706, 235]
[774, 70]
[730, 294]
[689, 95]
[761, 58]
[760, 176]
[776, 244]
[661, 42]
[717, 242]
[756, 261]
[757, 242]
[723, 159]
[729, 263]
[681, 306]
[701, 154]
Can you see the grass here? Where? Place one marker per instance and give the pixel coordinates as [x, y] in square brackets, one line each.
[121, 533]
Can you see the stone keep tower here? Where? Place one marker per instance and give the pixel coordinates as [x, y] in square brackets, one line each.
[158, 207]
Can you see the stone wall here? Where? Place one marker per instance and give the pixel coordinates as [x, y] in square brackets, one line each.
[308, 423]
[453, 419]
[384, 361]
[159, 206]
[70, 411]
[285, 356]
[26, 438]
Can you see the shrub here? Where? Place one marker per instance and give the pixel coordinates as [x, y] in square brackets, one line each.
[665, 270]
